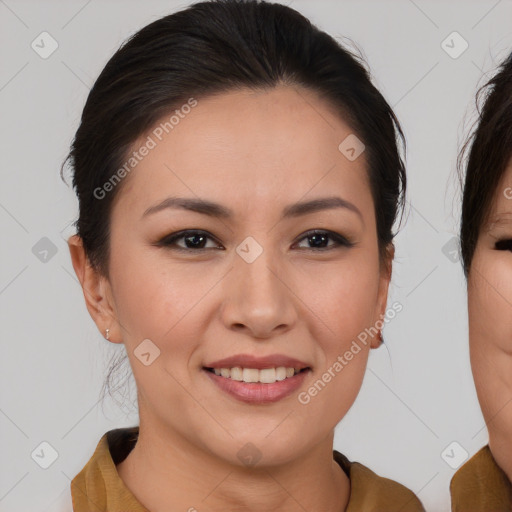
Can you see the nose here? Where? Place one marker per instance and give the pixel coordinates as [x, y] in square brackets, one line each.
[258, 300]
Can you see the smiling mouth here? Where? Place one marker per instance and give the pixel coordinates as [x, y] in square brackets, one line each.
[254, 375]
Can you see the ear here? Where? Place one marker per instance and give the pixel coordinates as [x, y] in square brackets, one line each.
[97, 291]
[382, 295]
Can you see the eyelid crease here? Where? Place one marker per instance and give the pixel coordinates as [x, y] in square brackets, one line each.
[499, 232]
[499, 219]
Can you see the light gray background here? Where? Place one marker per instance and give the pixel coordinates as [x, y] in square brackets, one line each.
[417, 397]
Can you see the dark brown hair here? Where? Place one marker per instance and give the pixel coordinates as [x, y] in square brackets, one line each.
[485, 156]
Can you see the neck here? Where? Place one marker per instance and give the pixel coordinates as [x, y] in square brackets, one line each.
[164, 468]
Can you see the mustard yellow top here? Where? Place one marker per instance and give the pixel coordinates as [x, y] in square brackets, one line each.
[480, 485]
[99, 488]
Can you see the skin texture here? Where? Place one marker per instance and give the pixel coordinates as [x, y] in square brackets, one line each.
[490, 323]
[198, 307]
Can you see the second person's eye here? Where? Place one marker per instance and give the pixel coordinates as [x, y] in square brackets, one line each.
[504, 244]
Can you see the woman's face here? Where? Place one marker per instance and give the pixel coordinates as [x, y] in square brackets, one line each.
[490, 322]
[255, 283]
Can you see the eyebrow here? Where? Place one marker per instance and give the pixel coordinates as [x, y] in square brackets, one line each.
[212, 209]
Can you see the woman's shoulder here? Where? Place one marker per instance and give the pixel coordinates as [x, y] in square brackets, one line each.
[98, 482]
[371, 492]
[481, 485]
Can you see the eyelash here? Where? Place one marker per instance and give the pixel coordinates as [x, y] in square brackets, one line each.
[169, 240]
[504, 245]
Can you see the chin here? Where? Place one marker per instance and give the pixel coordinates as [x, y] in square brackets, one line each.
[259, 451]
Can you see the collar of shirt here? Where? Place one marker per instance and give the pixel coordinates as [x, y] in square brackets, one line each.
[481, 485]
[98, 487]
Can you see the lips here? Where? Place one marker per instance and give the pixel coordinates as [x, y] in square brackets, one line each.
[249, 361]
[258, 393]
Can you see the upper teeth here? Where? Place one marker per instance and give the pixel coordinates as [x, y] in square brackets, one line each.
[266, 376]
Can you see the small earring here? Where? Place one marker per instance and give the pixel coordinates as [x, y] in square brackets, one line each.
[107, 331]
[381, 337]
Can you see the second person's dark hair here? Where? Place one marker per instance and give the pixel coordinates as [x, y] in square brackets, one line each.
[486, 153]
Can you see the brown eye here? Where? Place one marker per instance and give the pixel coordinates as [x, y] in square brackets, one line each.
[194, 240]
[317, 238]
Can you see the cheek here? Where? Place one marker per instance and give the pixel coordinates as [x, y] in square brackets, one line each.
[338, 305]
[348, 294]
[346, 306]
[152, 294]
[490, 300]
[490, 337]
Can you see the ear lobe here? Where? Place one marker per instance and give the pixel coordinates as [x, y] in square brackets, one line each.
[94, 287]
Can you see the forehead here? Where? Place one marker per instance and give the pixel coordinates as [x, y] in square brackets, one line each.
[248, 145]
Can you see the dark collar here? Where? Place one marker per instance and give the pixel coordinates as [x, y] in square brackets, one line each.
[121, 442]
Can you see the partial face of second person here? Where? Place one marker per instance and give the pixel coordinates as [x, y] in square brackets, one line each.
[490, 322]
[254, 154]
